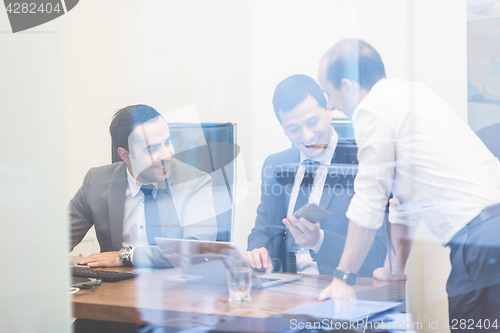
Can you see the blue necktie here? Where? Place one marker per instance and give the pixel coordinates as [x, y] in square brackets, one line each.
[151, 214]
[306, 184]
[305, 188]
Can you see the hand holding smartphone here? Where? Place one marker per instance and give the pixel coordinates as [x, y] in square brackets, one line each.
[311, 212]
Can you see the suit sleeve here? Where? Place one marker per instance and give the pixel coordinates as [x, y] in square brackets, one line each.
[332, 248]
[80, 214]
[150, 256]
[260, 235]
[268, 232]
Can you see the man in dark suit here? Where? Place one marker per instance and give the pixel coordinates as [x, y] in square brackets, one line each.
[149, 194]
[320, 169]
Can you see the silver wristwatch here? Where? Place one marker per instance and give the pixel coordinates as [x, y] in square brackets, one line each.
[125, 255]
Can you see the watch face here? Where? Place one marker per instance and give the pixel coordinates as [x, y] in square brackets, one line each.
[351, 280]
[346, 277]
[125, 252]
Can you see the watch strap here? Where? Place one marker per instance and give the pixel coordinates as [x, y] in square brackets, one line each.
[346, 277]
[126, 260]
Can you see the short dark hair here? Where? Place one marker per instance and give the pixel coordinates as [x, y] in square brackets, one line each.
[356, 60]
[126, 119]
[294, 90]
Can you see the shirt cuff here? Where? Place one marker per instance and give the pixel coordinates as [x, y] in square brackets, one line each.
[316, 247]
[397, 215]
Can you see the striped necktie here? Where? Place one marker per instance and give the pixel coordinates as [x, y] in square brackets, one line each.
[290, 264]
[151, 215]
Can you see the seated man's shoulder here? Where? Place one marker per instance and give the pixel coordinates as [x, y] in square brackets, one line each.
[281, 167]
[108, 173]
[290, 155]
[98, 179]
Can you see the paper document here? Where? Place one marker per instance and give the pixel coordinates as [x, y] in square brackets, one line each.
[342, 309]
[397, 322]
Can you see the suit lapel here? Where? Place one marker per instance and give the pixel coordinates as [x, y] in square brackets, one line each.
[116, 206]
[295, 159]
[328, 190]
[338, 172]
[332, 179]
[283, 204]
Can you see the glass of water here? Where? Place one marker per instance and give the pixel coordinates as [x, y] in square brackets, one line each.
[239, 283]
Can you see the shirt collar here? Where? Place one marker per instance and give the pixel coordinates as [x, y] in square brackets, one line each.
[135, 185]
[325, 157]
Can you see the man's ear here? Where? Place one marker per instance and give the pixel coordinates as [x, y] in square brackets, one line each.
[125, 156]
[346, 86]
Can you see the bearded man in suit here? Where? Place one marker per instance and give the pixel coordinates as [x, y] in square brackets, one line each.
[149, 194]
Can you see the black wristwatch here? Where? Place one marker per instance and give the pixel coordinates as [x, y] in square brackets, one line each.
[346, 277]
[125, 254]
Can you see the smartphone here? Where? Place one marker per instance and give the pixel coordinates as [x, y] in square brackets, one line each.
[311, 212]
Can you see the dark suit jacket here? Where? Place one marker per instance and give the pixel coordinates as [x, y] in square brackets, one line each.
[101, 201]
[269, 231]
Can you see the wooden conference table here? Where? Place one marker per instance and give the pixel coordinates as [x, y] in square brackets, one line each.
[165, 298]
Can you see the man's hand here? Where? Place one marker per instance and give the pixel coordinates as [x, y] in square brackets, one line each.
[104, 259]
[383, 274]
[304, 232]
[338, 290]
[258, 258]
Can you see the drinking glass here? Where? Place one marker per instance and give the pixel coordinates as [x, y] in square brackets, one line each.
[239, 283]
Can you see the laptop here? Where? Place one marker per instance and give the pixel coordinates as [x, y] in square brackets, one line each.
[207, 262]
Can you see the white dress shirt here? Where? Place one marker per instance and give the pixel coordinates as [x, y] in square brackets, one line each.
[134, 218]
[305, 263]
[411, 143]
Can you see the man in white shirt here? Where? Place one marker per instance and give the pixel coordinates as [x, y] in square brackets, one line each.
[150, 194]
[290, 180]
[413, 145]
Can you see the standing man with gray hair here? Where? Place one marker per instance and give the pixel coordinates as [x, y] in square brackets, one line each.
[413, 145]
